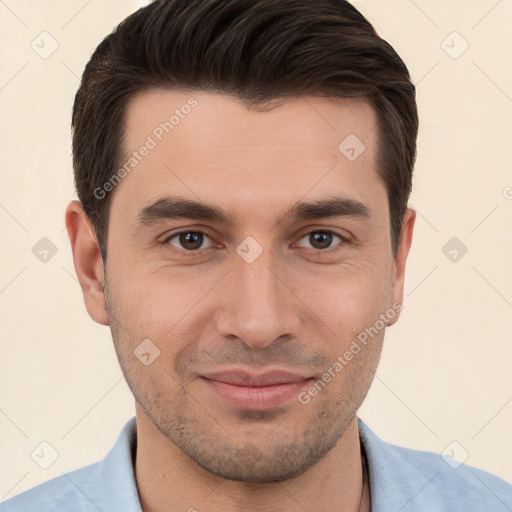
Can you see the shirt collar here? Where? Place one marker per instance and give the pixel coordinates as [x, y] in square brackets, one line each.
[394, 481]
[117, 473]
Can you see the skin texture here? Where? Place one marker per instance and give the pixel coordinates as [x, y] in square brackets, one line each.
[297, 307]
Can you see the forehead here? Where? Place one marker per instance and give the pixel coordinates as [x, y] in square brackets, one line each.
[206, 145]
[219, 118]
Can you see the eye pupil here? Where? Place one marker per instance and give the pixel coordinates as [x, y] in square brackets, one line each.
[191, 240]
[323, 239]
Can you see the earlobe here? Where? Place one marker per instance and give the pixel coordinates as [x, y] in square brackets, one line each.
[87, 260]
[404, 245]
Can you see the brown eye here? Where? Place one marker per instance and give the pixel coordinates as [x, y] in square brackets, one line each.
[320, 240]
[188, 240]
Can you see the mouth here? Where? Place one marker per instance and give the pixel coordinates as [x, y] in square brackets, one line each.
[243, 390]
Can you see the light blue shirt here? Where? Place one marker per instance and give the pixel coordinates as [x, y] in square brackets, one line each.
[401, 480]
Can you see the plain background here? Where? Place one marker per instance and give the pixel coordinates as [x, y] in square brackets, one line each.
[444, 383]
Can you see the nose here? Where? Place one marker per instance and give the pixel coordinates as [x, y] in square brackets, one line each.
[257, 305]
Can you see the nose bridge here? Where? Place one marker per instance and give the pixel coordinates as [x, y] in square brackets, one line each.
[257, 306]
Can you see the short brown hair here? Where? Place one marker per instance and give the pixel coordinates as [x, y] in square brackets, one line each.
[255, 51]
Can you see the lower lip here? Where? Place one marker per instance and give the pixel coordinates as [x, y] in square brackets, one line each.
[256, 398]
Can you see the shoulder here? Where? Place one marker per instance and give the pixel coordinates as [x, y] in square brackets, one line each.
[448, 482]
[61, 493]
[105, 485]
[421, 480]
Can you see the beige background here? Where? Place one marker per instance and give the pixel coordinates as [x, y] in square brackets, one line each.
[445, 373]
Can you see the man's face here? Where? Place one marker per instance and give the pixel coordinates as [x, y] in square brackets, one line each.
[271, 287]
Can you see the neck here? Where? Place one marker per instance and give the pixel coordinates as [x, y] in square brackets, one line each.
[168, 479]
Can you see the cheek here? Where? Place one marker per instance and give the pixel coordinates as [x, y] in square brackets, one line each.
[161, 304]
[347, 300]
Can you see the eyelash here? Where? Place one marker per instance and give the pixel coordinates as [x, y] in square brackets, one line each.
[337, 247]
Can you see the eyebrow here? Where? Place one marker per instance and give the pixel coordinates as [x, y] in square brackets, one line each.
[175, 207]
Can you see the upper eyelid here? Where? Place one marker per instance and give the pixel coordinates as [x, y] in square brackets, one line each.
[172, 235]
[329, 231]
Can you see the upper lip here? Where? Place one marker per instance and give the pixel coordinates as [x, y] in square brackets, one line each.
[243, 378]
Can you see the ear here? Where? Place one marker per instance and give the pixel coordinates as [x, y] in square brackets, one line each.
[397, 291]
[87, 260]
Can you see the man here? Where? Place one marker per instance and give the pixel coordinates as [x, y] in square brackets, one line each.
[243, 169]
